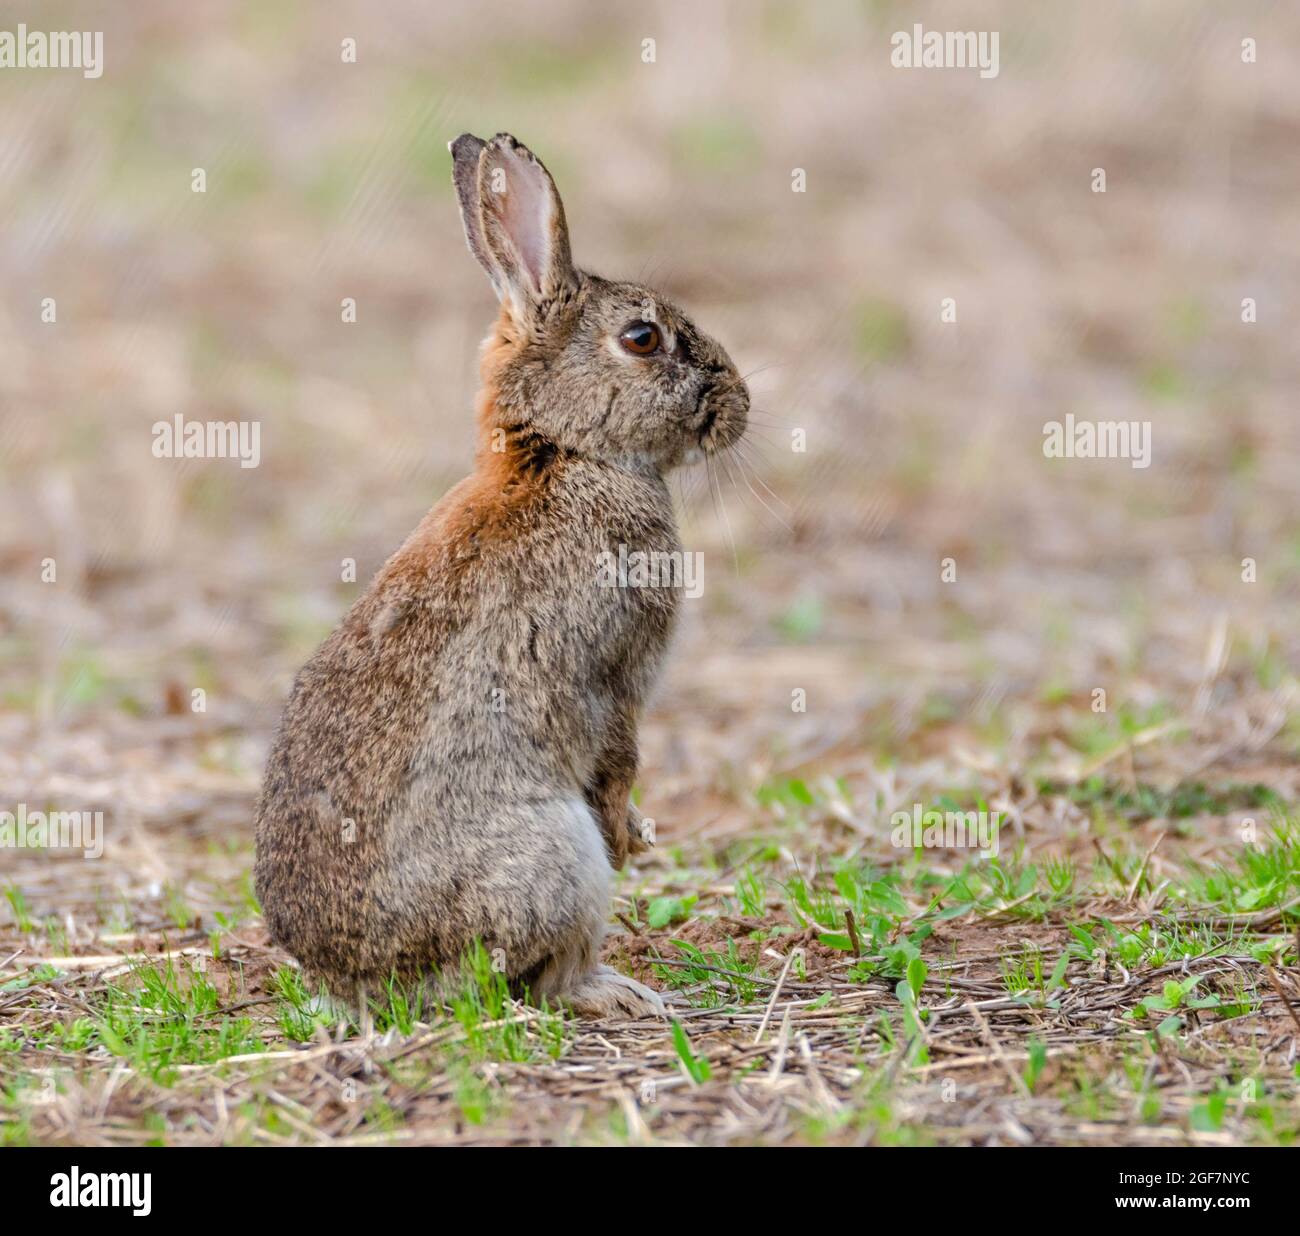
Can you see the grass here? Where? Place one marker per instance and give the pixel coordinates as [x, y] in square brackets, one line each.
[700, 968]
[876, 961]
[1148, 802]
[168, 1016]
[695, 1067]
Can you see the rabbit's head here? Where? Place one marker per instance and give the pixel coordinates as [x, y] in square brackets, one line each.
[608, 370]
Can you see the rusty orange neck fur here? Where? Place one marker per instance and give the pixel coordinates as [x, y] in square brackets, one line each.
[505, 458]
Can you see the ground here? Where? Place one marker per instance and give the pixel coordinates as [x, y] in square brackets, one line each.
[907, 606]
[820, 990]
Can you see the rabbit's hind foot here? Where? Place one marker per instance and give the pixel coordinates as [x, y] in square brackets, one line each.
[331, 1005]
[605, 993]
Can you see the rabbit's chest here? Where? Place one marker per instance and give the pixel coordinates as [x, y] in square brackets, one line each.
[649, 579]
[632, 598]
[628, 573]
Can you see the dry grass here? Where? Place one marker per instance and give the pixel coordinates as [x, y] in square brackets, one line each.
[801, 1042]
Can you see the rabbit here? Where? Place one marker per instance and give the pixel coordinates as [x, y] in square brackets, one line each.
[454, 763]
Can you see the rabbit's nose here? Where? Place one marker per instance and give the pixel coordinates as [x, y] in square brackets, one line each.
[742, 394]
[736, 394]
[724, 413]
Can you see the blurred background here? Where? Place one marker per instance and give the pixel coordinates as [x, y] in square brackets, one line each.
[327, 180]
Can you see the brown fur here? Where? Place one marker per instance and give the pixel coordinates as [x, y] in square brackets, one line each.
[454, 762]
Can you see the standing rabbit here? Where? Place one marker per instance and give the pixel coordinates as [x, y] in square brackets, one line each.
[454, 762]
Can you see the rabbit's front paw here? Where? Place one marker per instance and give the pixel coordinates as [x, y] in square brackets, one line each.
[640, 831]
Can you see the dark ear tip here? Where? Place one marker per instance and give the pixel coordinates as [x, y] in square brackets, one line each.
[508, 141]
[466, 146]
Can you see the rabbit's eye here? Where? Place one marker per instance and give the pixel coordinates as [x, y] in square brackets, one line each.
[641, 338]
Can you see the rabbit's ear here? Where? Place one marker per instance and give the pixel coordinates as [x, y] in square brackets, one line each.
[523, 228]
[465, 152]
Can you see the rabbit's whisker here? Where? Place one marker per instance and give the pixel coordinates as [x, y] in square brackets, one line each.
[740, 467]
[761, 442]
[742, 463]
[759, 446]
[721, 505]
[772, 415]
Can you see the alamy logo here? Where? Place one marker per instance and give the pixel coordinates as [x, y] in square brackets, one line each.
[182, 439]
[945, 49]
[120, 1189]
[946, 830]
[638, 568]
[53, 830]
[1129, 440]
[59, 49]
